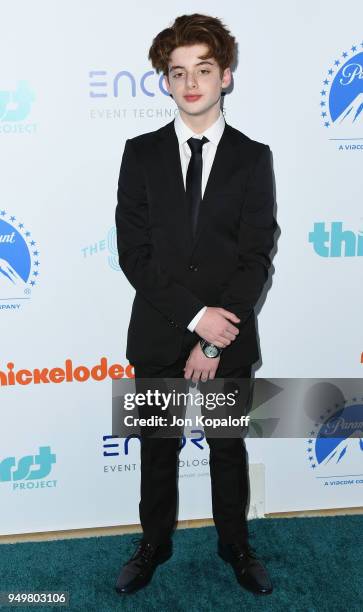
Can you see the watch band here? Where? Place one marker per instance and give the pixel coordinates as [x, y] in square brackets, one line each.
[205, 345]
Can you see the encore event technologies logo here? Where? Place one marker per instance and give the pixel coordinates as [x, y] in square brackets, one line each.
[341, 100]
[19, 262]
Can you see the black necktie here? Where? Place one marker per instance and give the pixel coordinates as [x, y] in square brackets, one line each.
[193, 182]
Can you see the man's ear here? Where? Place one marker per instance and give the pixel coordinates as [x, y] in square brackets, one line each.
[167, 85]
[166, 82]
[226, 78]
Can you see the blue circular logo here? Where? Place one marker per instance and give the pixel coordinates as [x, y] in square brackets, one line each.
[341, 99]
[19, 260]
[338, 441]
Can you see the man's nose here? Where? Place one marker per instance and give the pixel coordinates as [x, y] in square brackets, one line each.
[191, 81]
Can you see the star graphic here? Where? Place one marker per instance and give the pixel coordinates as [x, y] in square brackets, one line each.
[313, 465]
[323, 114]
[35, 253]
[323, 92]
[3, 213]
[354, 48]
[326, 82]
[27, 234]
[36, 263]
[310, 441]
[21, 225]
[322, 103]
[32, 283]
[336, 63]
[32, 243]
[12, 218]
[344, 54]
[326, 124]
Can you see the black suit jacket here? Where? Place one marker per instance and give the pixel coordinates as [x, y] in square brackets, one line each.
[174, 277]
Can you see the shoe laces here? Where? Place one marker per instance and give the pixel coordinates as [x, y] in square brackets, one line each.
[244, 550]
[144, 551]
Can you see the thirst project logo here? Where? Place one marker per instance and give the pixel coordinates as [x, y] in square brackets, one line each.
[15, 107]
[29, 471]
[334, 241]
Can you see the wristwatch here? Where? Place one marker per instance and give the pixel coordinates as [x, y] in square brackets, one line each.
[209, 349]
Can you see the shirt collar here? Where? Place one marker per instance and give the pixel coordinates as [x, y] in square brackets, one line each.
[213, 133]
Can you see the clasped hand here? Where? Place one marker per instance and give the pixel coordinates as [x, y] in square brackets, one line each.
[216, 327]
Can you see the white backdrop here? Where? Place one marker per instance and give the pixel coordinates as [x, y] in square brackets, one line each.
[65, 113]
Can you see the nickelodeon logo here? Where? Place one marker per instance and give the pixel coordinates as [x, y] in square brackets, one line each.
[68, 373]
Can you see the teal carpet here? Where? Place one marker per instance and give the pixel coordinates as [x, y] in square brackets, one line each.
[316, 564]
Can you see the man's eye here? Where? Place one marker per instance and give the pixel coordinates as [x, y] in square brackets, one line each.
[205, 71]
[176, 75]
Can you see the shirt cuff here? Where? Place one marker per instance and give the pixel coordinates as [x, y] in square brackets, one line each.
[193, 323]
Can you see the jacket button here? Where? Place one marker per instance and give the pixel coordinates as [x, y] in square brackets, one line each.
[193, 268]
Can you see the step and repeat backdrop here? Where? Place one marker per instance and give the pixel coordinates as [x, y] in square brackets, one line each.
[75, 83]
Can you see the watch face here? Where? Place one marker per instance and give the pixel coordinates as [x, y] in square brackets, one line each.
[211, 351]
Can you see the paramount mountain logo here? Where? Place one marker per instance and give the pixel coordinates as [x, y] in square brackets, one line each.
[9, 277]
[353, 113]
[335, 448]
[341, 99]
[19, 262]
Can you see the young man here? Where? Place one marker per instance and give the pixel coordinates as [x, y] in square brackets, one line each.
[195, 227]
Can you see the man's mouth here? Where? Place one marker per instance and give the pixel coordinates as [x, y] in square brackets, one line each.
[192, 98]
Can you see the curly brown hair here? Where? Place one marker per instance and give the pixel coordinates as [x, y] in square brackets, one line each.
[190, 30]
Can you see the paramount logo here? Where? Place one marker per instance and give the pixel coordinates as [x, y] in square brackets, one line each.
[7, 237]
[8, 276]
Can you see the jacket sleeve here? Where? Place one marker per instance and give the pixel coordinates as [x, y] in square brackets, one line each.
[137, 256]
[256, 239]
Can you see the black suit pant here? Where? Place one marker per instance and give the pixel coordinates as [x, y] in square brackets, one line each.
[159, 467]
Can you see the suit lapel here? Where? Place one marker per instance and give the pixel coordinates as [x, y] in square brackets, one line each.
[168, 149]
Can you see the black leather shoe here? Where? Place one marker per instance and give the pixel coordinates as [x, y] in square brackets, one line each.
[250, 572]
[138, 570]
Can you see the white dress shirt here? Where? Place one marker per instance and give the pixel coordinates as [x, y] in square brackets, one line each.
[214, 134]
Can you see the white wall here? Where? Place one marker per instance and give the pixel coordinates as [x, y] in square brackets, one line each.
[61, 150]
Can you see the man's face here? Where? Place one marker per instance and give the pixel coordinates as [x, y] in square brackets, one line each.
[194, 83]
